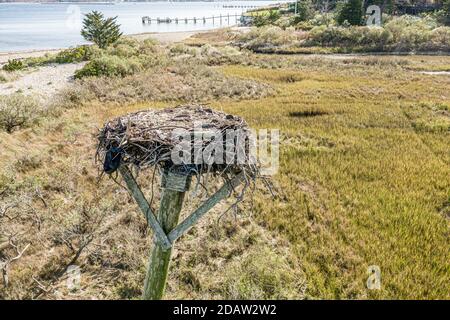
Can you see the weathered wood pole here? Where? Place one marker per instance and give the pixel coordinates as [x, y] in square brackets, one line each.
[174, 189]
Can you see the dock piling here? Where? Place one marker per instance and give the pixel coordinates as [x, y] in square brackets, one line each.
[227, 17]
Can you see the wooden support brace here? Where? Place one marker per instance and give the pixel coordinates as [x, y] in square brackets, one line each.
[173, 191]
[145, 208]
[192, 219]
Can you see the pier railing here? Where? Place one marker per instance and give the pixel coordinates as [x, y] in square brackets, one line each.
[220, 19]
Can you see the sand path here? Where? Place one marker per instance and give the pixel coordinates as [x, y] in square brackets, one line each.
[45, 81]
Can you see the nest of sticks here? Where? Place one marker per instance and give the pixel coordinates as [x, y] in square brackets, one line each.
[146, 139]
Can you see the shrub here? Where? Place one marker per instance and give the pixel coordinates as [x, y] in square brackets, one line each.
[213, 56]
[411, 33]
[38, 61]
[78, 54]
[13, 65]
[268, 39]
[439, 39]
[406, 33]
[100, 30]
[110, 66]
[351, 12]
[16, 110]
[72, 55]
[187, 82]
[7, 76]
[182, 49]
[124, 47]
[260, 20]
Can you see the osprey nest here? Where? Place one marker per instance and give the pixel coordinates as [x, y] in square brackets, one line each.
[151, 138]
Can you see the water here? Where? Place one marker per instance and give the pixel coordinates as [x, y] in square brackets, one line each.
[34, 26]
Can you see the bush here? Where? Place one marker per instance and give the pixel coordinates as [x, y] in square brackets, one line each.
[267, 39]
[6, 76]
[371, 38]
[189, 82]
[78, 54]
[260, 20]
[13, 65]
[214, 56]
[72, 55]
[110, 66]
[351, 12]
[16, 110]
[439, 39]
[125, 47]
[405, 33]
[182, 49]
[415, 33]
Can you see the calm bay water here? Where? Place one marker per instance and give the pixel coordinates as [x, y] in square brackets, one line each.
[51, 26]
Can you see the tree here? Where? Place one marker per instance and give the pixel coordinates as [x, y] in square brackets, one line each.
[446, 8]
[352, 12]
[100, 30]
[305, 10]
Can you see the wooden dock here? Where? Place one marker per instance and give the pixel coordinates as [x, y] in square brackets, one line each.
[220, 19]
[240, 7]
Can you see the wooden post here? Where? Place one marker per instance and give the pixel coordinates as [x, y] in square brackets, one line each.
[165, 227]
[174, 188]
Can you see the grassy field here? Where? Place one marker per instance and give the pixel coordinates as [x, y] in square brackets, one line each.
[363, 180]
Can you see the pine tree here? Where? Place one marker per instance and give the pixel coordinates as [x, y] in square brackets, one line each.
[446, 8]
[352, 12]
[99, 30]
[305, 10]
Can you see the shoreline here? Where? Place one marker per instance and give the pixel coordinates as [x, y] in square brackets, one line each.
[162, 37]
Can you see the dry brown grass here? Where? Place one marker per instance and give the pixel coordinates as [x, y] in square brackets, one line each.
[363, 180]
[180, 82]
